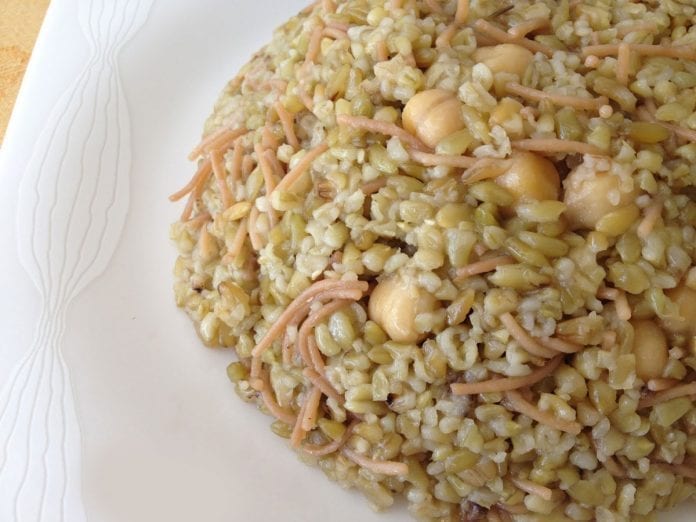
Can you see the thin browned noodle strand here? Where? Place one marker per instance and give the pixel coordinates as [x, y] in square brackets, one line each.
[309, 419]
[384, 467]
[560, 345]
[555, 145]
[484, 265]
[216, 159]
[507, 383]
[269, 400]
[298, 432]
[525, 340]
[199, 178]
[301, 167]
[311, 321]
[592, 104]
[515, 401]
[433, 160]
[603, 50]
[300, 302]
[331, 447]
[683, 390]
[325, 386]
[490, 30]
[381, 127]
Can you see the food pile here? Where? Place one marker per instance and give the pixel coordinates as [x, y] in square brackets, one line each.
[452, 245]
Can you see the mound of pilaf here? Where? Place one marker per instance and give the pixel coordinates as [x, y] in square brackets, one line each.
[452, 244]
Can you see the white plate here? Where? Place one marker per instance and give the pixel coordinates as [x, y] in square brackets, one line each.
[110, 408]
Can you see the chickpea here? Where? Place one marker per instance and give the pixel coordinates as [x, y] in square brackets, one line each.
[394, 304]
[588, 196]
[507, 115]
[507, 57]
[530, 177]
[432, 115]
[685, 299]
[650, 349]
